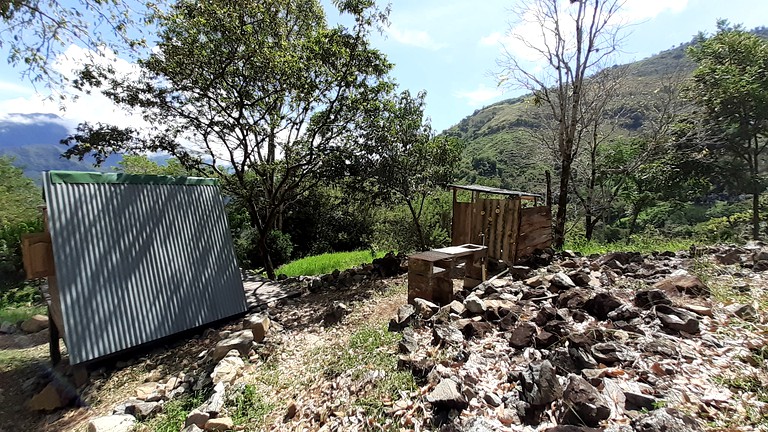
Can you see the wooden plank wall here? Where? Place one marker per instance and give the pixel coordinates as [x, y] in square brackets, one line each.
[492, 222]
[535, 230]
[461, 223]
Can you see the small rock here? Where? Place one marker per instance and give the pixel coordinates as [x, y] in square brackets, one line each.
[143, 410]
[192, 428]
[408, 344]
[7, 328]
[457, 307]
[290, 412]
[583, 404]
[638, 401]
[336, 313]
[744, 311]
[35, 324]
[522, 335]
[729, 258]
[539, 384]
[677, 319]
[697, 309]
[144, 391]
[197, 418]
[50, 398]
[403, 319]
[520, 272]
[534, 282]
[683, 284]
[492, 399]
[446, 334]
[647, 299]
[259, 325]
[219, 424]
[227, 369]
[113, 423]
[665, 420]
[546, 339]
[601, 305]
[474, 304]
[562, 281]
[447, 395]
[573, 299]
[425, 308]
[477, 329]
[240, 341]
[609, 353]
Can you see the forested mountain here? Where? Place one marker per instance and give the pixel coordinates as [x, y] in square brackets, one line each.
[502, 151]
[32, 140]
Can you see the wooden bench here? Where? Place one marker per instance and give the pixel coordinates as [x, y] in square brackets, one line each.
[430, 273]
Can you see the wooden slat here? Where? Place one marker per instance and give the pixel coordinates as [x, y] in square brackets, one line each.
[498, 235]
[515, 231]
[461, 223]
[488, 208]
[535, 231]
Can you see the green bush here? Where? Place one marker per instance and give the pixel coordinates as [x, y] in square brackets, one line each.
[395, 230]
[11, 266]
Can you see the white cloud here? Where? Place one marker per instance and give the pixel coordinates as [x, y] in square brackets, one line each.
[528, 35]
[417, 38]
[479, 95]
[84, 107]
[637, 10]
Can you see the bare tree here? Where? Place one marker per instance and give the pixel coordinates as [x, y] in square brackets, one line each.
[573, 38]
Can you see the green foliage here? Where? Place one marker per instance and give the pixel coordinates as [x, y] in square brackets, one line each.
[263, 94]
[18, 194]
[327, 263]
[395, 230]
[280, 246]
[639, 243]
[142, 164]
[175, 413]
[250, 408]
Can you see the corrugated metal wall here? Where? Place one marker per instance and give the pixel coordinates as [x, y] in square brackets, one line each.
[137, 262]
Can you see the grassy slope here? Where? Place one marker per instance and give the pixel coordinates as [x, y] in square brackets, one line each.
[326, 263]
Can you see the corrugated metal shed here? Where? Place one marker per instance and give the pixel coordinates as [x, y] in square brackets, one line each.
[138, 258]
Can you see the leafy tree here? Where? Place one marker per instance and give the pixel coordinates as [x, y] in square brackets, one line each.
[576, 39]
[260, 93]
[409, 163]
[18, 194]
[730, 85]
[34, 32]
[142, 164]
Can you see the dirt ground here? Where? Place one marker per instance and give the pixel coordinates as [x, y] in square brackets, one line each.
[299, 328]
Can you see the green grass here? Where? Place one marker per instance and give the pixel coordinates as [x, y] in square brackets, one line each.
[14, 314]
[640, 244]
[327, 263]
[250, 408]
[174, 414]
[371, 348]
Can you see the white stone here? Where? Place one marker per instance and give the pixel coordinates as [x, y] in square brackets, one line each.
[113, 423]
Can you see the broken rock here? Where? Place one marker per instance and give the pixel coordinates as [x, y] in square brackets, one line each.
[474, 304]
[539, 384]
[601, 305]
[683, 284]
[240, 341]
[403, 319]
[113, 423]
[219, 424]
[522, 335]
[35, 324]
[677, 319]
[665, 420]
[227, 369]
[582, 403]
[259, 325]
[425, 308]
[562, 281]
[447, 395]
[50, 398]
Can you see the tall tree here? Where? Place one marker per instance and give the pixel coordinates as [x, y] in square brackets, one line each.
[730, 84]
[576, 38]
[408, 162]
[35, 32]
[258, 92]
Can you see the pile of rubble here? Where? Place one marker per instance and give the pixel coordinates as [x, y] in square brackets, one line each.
[619, 342]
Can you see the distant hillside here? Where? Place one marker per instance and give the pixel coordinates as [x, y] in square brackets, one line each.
[501, 150]
[33, 141]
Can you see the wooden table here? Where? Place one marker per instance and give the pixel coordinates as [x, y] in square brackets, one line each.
[430, 273]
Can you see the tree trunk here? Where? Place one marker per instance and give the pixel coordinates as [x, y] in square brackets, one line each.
[755, 215]
[264, 250]
[417, 224]
[589, 225]
[562, 204]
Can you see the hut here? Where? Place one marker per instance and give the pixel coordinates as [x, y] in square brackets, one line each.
[131, 259]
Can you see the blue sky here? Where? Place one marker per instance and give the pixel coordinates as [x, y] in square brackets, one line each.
[448, 48]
